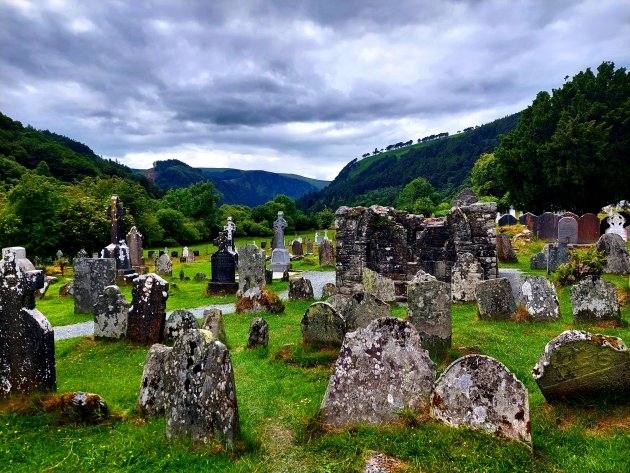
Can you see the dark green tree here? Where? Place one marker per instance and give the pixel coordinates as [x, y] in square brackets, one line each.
[418, 196]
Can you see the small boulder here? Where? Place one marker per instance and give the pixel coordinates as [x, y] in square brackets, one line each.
[595, 300]
[199, 277]
[84, 407]
[258, 333]
[257, 300]
[329, 289]
[300, 289]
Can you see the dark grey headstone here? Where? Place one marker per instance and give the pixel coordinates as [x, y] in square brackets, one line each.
[548, 226]
[323, 324]
[507, 219]
[147, 314]
[296, 248]
[326, 254]
[430, 313]
[568, 230]
[616, 251]
[495, 300]
[557, 254]
[91, 276]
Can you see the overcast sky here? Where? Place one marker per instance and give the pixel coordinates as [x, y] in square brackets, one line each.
[288, 85]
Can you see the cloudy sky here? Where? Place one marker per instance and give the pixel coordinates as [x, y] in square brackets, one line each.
[288, 85]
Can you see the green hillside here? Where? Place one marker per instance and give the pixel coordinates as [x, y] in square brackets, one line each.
[445, 163]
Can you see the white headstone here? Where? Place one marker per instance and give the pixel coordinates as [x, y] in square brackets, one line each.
[616, 222]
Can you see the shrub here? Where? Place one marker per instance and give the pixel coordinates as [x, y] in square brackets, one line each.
[582, 264]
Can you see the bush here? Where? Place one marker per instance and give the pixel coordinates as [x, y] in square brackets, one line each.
[582, 264]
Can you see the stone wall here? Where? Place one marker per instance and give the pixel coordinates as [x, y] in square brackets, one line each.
[397, 244]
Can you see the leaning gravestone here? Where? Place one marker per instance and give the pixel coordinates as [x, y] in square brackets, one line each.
[177, 323]
[568, 230]
[380, 286]
[164, 266]
[538, 296]
[258, 335]
[152, 396]
[466, 273]
[110, 314]
[548, 226]
[595, 300]
[296, 248]
[479, 392]
[363, 308]
[430, 313]
[27, 344]
[582, 366]
[251, 268]
[326, 254]
[147, 314]
[91, 276]
[300, 289]
[588, 228]
[505, 252]
[323, 325]
[200, 390]
[495, 300]
[381, 369]
[615, 249]
[213, 321]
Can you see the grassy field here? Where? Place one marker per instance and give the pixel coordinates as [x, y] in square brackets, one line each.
[279, 392]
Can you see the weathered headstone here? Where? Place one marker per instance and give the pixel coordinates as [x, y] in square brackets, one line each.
[588, 228]
[616, 225]
[495, 300]
[300, 289]
[380, 370]
[379, 286]
[83, 407]
[557, 254]
[280, 257]
[479, 392]
[91, 276]
[258, 335]
[538, 261]
[531, 221]
[466, 273]
[152, 396]
[27, 344]
[309, 247]
[117, 249]
[548, 226]
[213, 321]
[505, 252]
[110, 314]
[296, 248]
[259, 300]
[164, 266]
[595, 300]
[147, 314]
[329, 289]
[506, 220]
[200, 390]
[318, 239]
[230, 230]
[465, 198]
[326, 253]
[430, 313]
[568, 230]
[223, 263]
[323, 324]
[251, 268]
[616, 251]
[582, 366]
[279, 225]
[134, 242]
[538, 296]
[177, 323]
[360, 309]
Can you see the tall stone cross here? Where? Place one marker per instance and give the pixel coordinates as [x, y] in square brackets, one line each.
[230, 228]
[114, 212]
[278, 229]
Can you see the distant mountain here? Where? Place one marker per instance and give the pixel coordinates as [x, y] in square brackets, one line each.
[445, 162]
[236, 186]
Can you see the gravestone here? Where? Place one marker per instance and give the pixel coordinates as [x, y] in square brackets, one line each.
[185, 253]
[495, 300]
[568, 230]
[213, 321]
[164, 266]
[588, 228]
[152, 395]
[466, 273]
[280, 258]
[91, 277]
[548, 226]
[538, 296]
[379, 286]
[230, 231]
[538, 261]
[583, 367]
[531, 221]
[117, 249]
[505, 252]
[200, 390]
[616, 251]
[380, 370]
[309, 247]
[83, 407]
[199, 277]
[134, 243]
[326, 254]
[506, 220]
[296, 248]
[323, 324]
[616, 225]
[279, 225]
[480, 393]
[557, 253]
[465, 198]
[191, 257]
[430, 313]
[360, 309]
[177, 323]
[595, 300]
[570, 215]
[318, 239]
[259, 300]
[110, 313]
[223, 281]
[300, 289]
[329, 289]
[147, 314]
[27, 344]
[251, 268]
[258, 335]
[174, 254]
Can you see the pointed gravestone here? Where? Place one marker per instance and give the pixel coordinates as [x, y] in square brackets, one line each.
[134, 242]
[110, 314]
[588, 228]
[300, 289]
[309, 247]
[466, 273]
[322, 324]
[91, 277]
[27, 344]
[326, 254]
[505, 252]
[568, 230]
[147, 314]
[152, 396]
[548, 226]
[380, 370]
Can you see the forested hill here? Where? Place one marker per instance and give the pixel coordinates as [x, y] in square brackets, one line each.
[445, 162]
[236, 186]
[24, 148]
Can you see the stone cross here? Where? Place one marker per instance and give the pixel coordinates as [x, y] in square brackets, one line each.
[59, 254]
[114, 212]
[230, 228]
[278, 228]
[616, 222]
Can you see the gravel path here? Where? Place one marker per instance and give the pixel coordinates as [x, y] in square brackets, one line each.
[318, 279]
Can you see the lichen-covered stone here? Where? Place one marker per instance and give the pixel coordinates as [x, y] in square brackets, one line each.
[300, 289]
[326, 254]
[147, 314]
[258, 335]
[381, 287]
[91, 277]
[466, 273]
[323, 324]
[67, 289]
[164, 265]
[177, 323]
[152, 395]
[213, 321]
[329, 289]
[381, 463]
[360, 309]
[538, 296]
[110, 313]
[594, 300]
[257, 300]
[616, 251]
[495, 300]
[582, 366]
[479, 392]
[199, 277]
[538, 261]
[201, 393]
[84, 407]
[251, 268]
[505, 252]
[430, 313]
[557, 253]
[380, 370]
